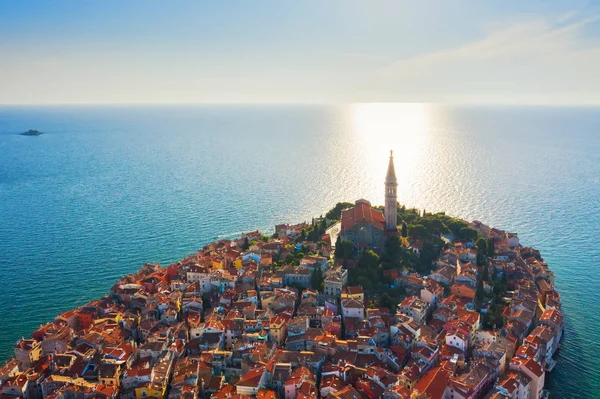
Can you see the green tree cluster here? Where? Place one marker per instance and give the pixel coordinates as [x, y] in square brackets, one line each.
[467, 233]
[317, 280]
[368, 274]
[494, 317]
[343, 249]
[317, 230]
[408, 214]
[336, 212]
[482, 250]
[294, 258]
[427, 227]
[394, 254]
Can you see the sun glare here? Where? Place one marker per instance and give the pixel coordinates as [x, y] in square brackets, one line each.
[400, 127]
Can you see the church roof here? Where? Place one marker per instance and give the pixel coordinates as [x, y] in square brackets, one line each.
[362, 213]
[391, 172]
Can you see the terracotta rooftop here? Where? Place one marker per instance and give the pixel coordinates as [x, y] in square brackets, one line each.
[362, 213]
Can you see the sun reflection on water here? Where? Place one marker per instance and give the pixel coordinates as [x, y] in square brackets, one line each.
[401, 127]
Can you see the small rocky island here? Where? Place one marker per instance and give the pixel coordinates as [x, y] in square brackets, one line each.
[31, 132]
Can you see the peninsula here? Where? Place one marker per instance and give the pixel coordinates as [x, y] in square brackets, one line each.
[362, 302]
[31, 132]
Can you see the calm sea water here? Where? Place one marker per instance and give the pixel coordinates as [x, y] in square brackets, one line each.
[110, 188]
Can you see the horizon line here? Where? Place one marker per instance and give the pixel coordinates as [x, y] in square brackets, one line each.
[438, 103]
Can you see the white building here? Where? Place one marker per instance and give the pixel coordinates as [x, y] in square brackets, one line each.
[353, 308]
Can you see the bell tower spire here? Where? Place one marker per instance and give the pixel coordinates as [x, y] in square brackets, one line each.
[391, 196]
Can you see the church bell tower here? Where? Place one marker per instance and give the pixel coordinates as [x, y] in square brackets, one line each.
[391, 197]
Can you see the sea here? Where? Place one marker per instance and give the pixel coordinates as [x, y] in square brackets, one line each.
[106, 189]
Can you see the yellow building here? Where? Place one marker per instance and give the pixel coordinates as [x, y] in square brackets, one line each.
[150, 390]
[237, 263]
[353, 292]
[216, 263]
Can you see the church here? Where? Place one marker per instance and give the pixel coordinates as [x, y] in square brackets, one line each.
[367, 227]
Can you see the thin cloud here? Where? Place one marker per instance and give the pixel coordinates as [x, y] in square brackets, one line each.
[529, 39]
[369, 56]
[541, 55]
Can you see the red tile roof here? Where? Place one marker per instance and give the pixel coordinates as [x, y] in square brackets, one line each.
[433, 383]
[362, 213]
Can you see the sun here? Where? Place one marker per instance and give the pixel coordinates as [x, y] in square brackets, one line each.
[381, 127]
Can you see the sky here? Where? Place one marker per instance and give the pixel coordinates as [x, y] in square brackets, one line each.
[309, 51]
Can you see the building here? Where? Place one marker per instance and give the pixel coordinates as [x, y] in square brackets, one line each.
[363, 225]
[335, 281]
[315, 262]
[353, 308]
[252, 382]
[200, 275]
[28, 351]
[354, 292]
[302, 375]
[414, 307]
[346, 392]
[391, 197]
[433, 385]
[534, 371]
[298, 275]
[278, 328]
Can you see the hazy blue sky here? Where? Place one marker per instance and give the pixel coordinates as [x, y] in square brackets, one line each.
[296, 52]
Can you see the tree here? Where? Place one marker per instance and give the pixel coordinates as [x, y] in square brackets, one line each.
[368, 260]
[364, 282]
[498, 317]
[481, 245]
[433, 224]
[303, 235]
[404, 229]
[490, 248]
[316, 279]
[392, 246]
[418, 231]
[336, 212]
[344, 250]
[486, 276]
[480, 293]
[206, 302]
[455, 225]
[385, 301]
[468, 233]
[408, 215]
[323, 225]
[480, 259]
[246, 244]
